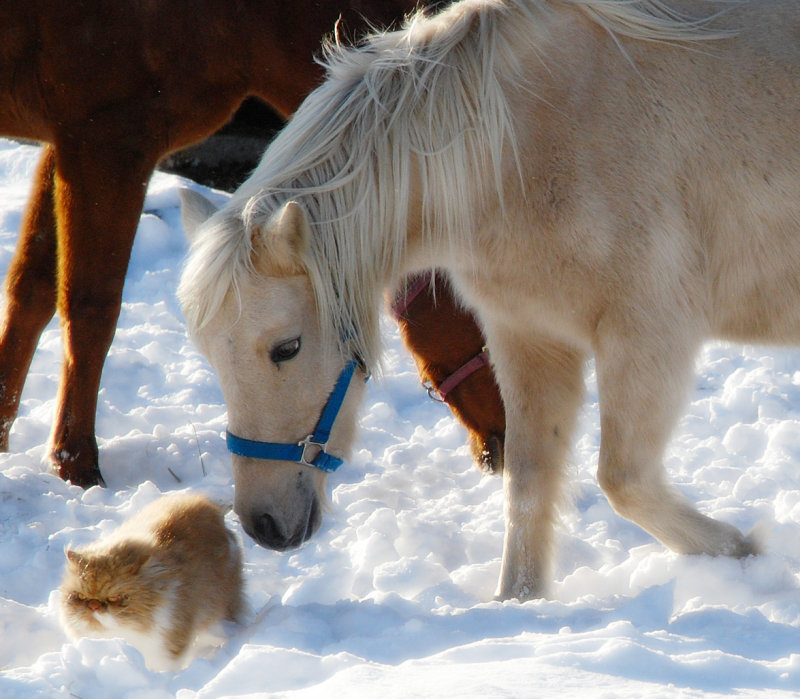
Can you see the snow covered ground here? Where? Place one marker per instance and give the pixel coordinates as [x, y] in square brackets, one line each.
[393, 597]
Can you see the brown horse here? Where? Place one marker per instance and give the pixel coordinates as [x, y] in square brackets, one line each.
[112, 88]
[453, 361]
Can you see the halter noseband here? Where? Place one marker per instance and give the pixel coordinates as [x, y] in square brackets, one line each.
[275, 451]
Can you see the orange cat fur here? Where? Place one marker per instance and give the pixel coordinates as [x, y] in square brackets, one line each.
[170, 572]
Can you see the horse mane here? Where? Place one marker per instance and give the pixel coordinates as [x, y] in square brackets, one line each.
[421, 107]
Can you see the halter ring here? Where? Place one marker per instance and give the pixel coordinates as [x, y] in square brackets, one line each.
[305, 444]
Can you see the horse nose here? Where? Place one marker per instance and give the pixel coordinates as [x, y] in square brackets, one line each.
[266, 530]
[273, 534]
[494, 446]
[488, 451]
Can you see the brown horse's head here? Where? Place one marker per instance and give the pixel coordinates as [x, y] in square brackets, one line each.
[448, 347]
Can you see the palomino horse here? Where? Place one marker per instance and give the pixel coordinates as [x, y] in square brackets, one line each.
[113, 87]
[596, 176]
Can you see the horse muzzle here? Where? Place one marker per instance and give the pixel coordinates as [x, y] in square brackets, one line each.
[282, 531]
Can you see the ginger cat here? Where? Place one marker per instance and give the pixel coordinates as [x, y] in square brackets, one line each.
[170, 572]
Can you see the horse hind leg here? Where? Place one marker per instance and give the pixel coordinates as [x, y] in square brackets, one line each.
[30, 291]
[642, 388]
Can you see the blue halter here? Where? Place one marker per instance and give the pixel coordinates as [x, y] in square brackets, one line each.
[273, 451]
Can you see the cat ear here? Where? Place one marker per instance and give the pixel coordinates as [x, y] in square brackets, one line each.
[75, 559]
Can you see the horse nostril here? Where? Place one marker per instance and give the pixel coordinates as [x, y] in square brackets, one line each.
[314, 520]
[280, 531]
[267, 532]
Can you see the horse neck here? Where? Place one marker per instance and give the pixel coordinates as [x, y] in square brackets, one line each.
[281, 63]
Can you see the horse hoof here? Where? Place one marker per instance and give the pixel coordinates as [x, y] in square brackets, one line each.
[84, 477]
[84, 480]
[747, 546]
[524, 594]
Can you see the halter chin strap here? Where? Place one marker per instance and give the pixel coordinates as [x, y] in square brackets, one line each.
[298, 453]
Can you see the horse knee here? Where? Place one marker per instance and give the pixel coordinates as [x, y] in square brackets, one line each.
[30, 285]
[34, 301]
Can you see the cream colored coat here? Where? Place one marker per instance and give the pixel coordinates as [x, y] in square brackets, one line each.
[598, 178]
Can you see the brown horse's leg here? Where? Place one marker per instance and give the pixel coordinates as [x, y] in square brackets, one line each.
[99, 197]
[30, 290]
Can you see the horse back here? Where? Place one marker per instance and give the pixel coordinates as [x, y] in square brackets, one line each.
[661, 171]
[172, 71]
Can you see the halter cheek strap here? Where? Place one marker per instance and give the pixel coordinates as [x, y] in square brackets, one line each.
[400, 306]
[405, 298]
[298, 453]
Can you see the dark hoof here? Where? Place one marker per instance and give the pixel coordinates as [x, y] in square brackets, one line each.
[72, 471]
[84, 480]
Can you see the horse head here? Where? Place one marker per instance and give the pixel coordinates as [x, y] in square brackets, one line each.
[278, 376]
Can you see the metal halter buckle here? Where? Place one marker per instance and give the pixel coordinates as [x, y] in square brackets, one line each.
[433, 392]
[305, 444]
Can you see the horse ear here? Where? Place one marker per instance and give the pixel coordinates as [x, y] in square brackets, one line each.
[286, 237]
[195, 210]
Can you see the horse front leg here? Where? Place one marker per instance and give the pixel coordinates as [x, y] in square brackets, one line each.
[30, 291]
[542, 386]
[643, 376]
[99, 197]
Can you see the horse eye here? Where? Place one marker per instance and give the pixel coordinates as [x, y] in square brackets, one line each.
[285, 351]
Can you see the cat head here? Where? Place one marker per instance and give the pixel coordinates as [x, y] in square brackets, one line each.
[106, 588]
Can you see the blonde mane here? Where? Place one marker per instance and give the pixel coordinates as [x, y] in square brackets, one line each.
[423, 107]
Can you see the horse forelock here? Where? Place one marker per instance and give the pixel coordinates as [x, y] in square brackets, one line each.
[421, 109]
[218, 257]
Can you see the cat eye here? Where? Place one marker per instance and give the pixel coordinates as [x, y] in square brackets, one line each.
[285, 351]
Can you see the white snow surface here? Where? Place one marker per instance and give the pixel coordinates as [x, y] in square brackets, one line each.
[394, 596]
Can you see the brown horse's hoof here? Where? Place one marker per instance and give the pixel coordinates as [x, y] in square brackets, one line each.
[75, 470]
[84, 480]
